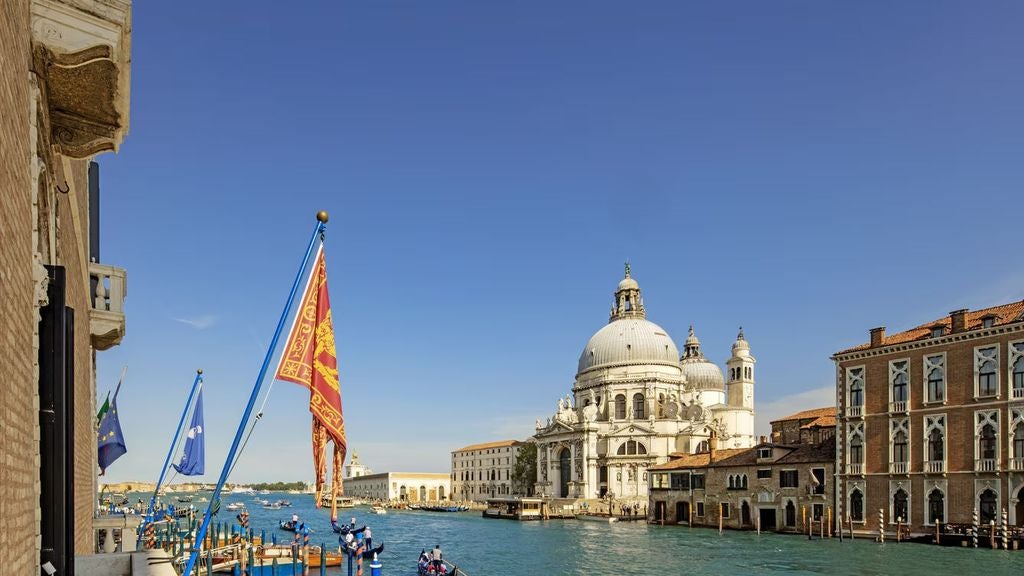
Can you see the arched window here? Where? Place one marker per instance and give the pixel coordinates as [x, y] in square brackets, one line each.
[856, 450]
[936, 384]
[1017, 378]
[744, 477]
[732, 482]
[423, 493]
[987, 507]
[899, 447]
[987, 377]
[899, 505]
[899, 381]
[639, 406]
[620, 406]
[857, 393]
[936, 447]
[631, 447]
[936, 505]
[857, 505]
[640, 448]
[987, 442]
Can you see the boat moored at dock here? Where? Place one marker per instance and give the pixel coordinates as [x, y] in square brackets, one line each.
[515, 508]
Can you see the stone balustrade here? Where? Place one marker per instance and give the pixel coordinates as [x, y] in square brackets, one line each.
[106, 318]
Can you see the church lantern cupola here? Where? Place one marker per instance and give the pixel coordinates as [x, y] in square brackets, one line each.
[741, 373]
[628, 302]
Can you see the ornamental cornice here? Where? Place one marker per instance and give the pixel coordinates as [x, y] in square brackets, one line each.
[619, 364]
[929, 342]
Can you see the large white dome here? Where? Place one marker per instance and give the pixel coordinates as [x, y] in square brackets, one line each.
[629, 341]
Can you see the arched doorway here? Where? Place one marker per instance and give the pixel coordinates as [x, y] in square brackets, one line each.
[564, 472]
[683, 512]
[440, 492]
[423, 493]
[745, 514]
[403, 494]
[987, 507]
[1019, 508]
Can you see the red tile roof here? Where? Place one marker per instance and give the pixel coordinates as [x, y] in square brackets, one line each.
[699, 460]
[1004, 314]
[821, 422]
[812, 413]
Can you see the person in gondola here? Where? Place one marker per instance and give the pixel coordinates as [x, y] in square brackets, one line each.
[424, 558]
[437, 558]
[368, 537]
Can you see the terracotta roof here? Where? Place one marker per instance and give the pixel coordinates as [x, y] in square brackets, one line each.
[821, 422]
[813, 413]
[805, 453]
[487, 445]
[699, 460]
[1004, 314]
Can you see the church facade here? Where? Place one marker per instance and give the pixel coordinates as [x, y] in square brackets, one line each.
[635, 401]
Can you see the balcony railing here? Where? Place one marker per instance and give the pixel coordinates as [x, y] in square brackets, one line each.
[1017, 464]
[854, 411]
[897, 467]
[857, 468]
[899, 406]
[934, 466]
[106, 318]
[1017, 393]
[985, 465]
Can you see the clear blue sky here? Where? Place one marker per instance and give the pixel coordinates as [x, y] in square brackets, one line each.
[808, 170]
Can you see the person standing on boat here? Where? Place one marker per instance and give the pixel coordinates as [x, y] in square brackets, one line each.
[368, 537]
[295, 519]
[437, 557]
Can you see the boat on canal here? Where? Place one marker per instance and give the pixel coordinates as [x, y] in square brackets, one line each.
[378, 509]
[597, 518]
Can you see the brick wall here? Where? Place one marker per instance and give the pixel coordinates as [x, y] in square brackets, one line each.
[19, 400]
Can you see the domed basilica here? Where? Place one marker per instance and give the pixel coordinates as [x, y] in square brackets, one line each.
[635, 401]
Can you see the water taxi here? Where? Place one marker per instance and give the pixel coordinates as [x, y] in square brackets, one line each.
[378, 509]
[514, 508]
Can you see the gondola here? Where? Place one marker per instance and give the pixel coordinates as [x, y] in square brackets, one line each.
[289, 526]
[345, 528]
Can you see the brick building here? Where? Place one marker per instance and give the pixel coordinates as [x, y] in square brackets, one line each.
[63, 99]
[780, 484]
[932, 422]
[482, 471]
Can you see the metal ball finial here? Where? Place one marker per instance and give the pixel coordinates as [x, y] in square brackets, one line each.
[322, 216]
[199, 371]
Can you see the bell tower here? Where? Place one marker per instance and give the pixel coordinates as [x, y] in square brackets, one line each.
[741, 374]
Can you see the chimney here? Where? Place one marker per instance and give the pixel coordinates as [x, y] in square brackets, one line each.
[959, 320]
[712, 446]
[877, 336]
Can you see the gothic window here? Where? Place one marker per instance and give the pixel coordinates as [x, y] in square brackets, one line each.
[898, 380]
[987, 507]
[856, 450]
[986, 361]
[638, 406]
[1018, 440]
[936, 446]
[898, 437]
[1017, 376]
[936, 506]
[987, 442]
[899, 505]
[935, 378]
[855, 379]
[857, 505]
[620, 406]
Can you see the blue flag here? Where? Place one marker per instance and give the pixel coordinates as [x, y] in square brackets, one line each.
[110, 438]
[193, 462]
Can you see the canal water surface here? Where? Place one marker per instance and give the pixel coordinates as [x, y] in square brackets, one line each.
[485, 547]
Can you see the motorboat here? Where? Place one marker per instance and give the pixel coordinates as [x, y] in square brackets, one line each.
[378, 509]
[235, 506]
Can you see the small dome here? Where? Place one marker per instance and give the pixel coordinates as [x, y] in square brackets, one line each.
[741, 342]
[628, 284]
[703, 374]
[629, 341]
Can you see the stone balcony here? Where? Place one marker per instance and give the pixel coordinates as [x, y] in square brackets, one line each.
[934, 466]
[1017, 464]
[106, 317]
[897, 467]
[985, 465]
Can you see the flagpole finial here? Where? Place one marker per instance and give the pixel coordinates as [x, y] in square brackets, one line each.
[322, 216]
[199, 371]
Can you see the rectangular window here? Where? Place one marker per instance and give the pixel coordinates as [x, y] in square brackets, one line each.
[764, 473]
[763, 453]
[697, 482]
[935, 377]
[818, 480]
[659, 480]
[789, 479]
[819, 511]
[1016, 370]
[986, 370]
[725, 509]
[700, 509]
[680, 481]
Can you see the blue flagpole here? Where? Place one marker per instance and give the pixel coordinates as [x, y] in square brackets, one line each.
[174, 440]
[214, 498]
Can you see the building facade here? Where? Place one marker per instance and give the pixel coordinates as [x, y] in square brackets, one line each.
[63, 99]
[400, 486]
[770, 486]
[635, 401]
[932, 422]
[482, 471]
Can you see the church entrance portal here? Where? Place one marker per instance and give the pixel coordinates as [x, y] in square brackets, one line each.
[767, 516]
[683, 512]
[564, 471]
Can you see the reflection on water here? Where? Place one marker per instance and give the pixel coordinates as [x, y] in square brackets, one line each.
[566, 547]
